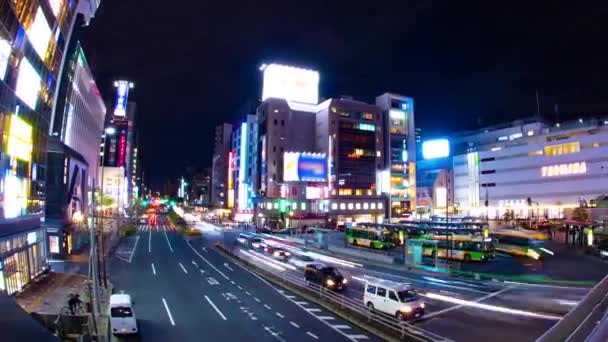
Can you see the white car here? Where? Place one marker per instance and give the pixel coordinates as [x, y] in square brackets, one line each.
[395, 299]
[122, 315]
[300, 260]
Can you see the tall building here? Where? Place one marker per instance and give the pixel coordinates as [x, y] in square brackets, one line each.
[244, 150]
[73, 154]
[223, 159]
[34, 37]
[400, 152]
[531, 168]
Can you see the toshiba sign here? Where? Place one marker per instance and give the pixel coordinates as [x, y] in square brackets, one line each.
[568, 169]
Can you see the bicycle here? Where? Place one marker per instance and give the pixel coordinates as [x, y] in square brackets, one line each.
[74, 306]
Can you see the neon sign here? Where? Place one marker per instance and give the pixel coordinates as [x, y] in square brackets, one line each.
[568, 169]
[20, 139]
[122, 94]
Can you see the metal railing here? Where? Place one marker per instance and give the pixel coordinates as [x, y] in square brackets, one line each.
[354, 309]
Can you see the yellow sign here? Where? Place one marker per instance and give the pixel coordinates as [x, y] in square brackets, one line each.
[20, 139]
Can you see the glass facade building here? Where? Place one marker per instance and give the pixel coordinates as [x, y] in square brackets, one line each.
[33, 37]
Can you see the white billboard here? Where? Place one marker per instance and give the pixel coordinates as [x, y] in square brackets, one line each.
[39, 33]
[290, 83]
[438, 148]
[28, 83]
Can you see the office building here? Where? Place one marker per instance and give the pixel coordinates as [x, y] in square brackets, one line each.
[530, 168]
[33, 41]
[400, 151]
[222, 159]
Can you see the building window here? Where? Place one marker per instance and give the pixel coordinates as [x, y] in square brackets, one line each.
[275, 122]
[487, 159]
[282, 122]
[274, 148]
[368, 116]
[359, 192]
[334, 206]
[345, 192]
[488, 185]
[487, 172]
[342, 206]
[558, 150]
[536, 153]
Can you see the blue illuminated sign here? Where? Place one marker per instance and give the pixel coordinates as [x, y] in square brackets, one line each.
[122, 94]
[312, 167]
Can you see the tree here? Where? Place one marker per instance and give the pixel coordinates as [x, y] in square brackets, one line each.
[580, 214]
[105, 200]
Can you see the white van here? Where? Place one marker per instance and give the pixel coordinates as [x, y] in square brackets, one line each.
[395, 299]
[122, 315]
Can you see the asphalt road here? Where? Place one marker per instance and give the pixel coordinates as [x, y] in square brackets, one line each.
[463, 310]
[186, 291]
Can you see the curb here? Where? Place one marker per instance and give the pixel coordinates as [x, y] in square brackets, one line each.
[302, 293]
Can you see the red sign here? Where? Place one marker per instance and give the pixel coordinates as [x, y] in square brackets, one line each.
[122, 149]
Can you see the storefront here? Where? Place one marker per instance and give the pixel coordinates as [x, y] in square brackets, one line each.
[22, 258]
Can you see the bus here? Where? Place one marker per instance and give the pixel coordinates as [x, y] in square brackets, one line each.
[464, 247]
[520, 243]
[375, 238]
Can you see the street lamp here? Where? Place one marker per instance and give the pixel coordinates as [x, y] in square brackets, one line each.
[108, 132]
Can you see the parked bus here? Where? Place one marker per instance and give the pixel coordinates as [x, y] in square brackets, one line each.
[376, 238]
[521, 243]
[463, 247]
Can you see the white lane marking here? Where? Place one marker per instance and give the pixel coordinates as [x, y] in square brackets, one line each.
[455, 307]
[134, 248]
[216, 309]
[168, 312]
[358, 337]
[267, 306]
[232, 282]
[183, 268]
[168, 243]
[257, 299]
[326, 318]
[228, 266]
[150, 242]
[300, 303]
[194, 263]
[312, 335]
[291, 297]
[280, 315]
[313, 310]
[153, 269]
[207, 261]
[202, 271]
[205, 249]
[239, 286]
[212, 281]
[248, 293]
[273, 333]
[342, 326]
[294, 324]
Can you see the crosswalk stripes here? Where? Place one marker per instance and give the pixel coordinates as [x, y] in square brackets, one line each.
[155, 228]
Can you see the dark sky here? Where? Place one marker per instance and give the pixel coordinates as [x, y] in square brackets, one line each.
[195, 63]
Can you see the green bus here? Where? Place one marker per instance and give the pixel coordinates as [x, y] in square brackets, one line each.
[464, 247]
[521, 243]
[370, 237]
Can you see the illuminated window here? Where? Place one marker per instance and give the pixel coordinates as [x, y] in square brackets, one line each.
[342, 206]
[536, 153]
[39, 33]
[359, 192]
[345, 192]
[379, 205]
[596, 145]
[351, 206]
[558, 150]
[334, 206]
[345, 114]
[368, 116]
[365, 206]
[373, 206]
[303, 206]
[358, 206]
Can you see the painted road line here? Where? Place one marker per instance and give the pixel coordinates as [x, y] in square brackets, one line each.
[248, 293]
[300, 303]
[134, 248]
[168, 243]
[358, 337]
[168, 312]
[313, 310]
[194, 263]
[183, 268]
[150, 242]
[280, 315]
[312, 335]
[257, 299]
[239, 286]
[267, 306]
[216, 309]
[326, 318]
[228, 266]
[341, 326]
[205, 249]
[294, 324]
[273, 333]
[153, 269]
[207, 261]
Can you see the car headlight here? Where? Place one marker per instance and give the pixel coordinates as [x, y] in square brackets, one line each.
[330, 282]
[406, 309]
[422, 305]
[604, 253]
[344, 281]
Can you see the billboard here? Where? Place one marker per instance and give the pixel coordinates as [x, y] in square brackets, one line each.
[437, 148]
[289, 83]
[122, 95]
[28, 83]
[39, 34]
[20, 139]
[305, 167]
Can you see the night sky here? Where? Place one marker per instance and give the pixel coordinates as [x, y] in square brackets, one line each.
[195, 63]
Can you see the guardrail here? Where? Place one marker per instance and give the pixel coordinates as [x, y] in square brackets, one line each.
[385, 326]
[579, 323]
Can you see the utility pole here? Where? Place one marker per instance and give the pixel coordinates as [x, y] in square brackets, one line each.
[93, 275]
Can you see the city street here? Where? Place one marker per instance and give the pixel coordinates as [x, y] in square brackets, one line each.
[186, 292]
[459, 309]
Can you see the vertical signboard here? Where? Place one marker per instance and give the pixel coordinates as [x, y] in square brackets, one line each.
[122, 95]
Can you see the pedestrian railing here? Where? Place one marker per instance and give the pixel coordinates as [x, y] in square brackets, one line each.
[352, 309]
